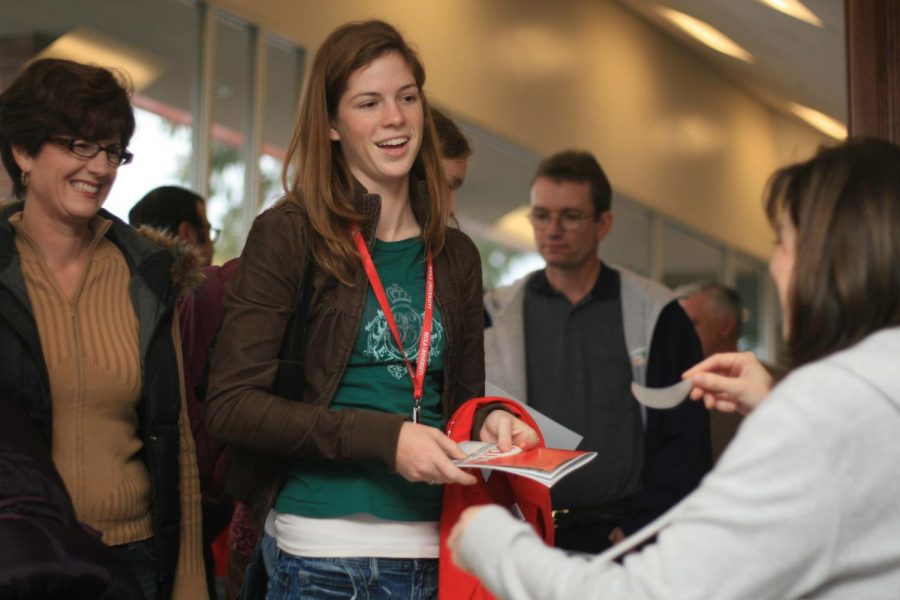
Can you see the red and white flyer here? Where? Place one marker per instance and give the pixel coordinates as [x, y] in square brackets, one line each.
[544, 465]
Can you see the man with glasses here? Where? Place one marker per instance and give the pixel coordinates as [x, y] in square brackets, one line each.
[179, 212]
[569, 340]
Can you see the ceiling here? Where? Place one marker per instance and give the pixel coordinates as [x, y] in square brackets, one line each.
[793, 60]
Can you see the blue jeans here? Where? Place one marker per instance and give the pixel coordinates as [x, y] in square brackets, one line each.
[142, 560]
[268, 548]
[256, 577]
[298, 578]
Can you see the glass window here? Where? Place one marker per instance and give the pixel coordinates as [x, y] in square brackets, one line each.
[776, 345]
[156, 44]
[162, 150]
[628, 244]
[688, 258]
[502, 264]
[748, 281]
[156, 47]
[270, 167]
[493, 203]
[284, 74]
[230, 112]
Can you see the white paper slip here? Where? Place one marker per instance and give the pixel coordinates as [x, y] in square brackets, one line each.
[662, 398]
[555, 434]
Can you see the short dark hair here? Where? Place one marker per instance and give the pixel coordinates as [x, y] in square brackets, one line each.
[60, 97]
[166, 208]
[580, 167]
[454, 145]
[845, 206]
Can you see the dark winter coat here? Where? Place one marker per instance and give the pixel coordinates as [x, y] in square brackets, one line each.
[158, 276]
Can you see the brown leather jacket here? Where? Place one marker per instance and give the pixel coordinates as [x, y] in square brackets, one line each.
[259, 300]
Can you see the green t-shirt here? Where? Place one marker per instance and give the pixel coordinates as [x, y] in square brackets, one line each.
[377, 379]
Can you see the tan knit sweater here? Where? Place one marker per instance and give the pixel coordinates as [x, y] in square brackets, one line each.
[90, 345]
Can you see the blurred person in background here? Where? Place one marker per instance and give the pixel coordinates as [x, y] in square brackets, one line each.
[717, 314]
[570, 339]
[179, 212]
[200, 315]
[455, 153]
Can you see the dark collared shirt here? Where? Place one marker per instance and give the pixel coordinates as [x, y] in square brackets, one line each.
[579, 374]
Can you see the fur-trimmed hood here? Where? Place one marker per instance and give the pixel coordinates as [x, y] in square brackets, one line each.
[187, 273]
[186, 267]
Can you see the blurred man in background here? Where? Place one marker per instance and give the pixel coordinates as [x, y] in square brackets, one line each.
[455, 153]
[570, 339]
[717, 313]
[179, 212]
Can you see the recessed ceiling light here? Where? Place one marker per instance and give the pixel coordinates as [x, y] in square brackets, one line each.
[796, 9]
[827, 125]
[705, 34]
[88, 46]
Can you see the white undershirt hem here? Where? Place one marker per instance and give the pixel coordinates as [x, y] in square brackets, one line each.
[354, 535]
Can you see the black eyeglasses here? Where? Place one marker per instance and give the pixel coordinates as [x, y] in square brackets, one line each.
[116, 155]
[206, 233]
[568, 220]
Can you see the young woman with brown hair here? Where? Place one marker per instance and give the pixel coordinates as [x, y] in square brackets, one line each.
[394, 340]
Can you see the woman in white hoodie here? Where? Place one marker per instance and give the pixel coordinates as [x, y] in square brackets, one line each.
[804, 502]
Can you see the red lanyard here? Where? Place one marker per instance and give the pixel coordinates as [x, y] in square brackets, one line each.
[417, 375]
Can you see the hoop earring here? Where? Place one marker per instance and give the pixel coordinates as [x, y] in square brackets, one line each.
[24, 178]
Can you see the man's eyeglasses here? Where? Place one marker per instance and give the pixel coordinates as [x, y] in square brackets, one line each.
[116, 155]
[568, 220]
[214, 234]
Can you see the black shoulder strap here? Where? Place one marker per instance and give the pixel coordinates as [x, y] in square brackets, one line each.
[293, 347]
[289, 379]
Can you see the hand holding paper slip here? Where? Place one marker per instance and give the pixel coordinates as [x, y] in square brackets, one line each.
[544, 465]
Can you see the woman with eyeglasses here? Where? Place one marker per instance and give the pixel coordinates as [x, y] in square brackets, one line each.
[804, 502]
[88, 334]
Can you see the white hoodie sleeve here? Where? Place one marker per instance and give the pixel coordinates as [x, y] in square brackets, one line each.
[761, 525]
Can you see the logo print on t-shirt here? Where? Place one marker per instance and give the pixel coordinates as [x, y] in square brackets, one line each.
[380, 343]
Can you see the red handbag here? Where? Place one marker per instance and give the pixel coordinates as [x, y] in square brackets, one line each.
[532, 498]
